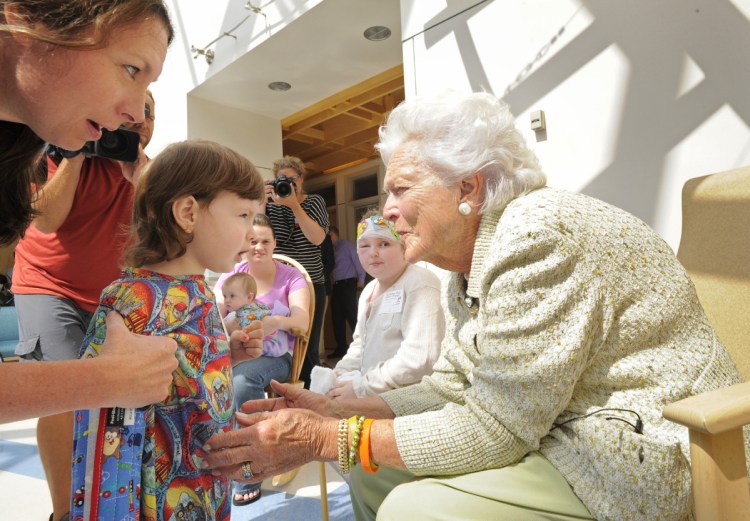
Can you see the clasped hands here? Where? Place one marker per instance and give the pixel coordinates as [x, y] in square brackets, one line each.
[278, 435]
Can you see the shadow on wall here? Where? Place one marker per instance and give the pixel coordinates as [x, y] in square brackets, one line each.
[655, 37]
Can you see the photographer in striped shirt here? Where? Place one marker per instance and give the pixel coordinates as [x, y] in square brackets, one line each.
[300, 223]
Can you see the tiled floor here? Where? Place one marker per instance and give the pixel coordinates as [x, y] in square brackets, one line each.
[24, 495]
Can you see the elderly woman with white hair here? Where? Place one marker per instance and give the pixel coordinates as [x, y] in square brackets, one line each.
[569, 326]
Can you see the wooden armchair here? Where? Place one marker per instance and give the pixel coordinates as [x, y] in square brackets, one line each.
[715, 250]
[301, 338]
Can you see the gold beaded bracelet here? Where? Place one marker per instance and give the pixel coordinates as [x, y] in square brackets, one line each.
[343, 446]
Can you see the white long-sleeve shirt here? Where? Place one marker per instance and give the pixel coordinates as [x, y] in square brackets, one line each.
[399, 341]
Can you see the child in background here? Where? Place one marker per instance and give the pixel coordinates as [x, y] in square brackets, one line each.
[239, 291]
[194, 208]
[400, 322]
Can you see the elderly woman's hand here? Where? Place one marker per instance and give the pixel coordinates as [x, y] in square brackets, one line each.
[290, 397]
[271, 443]
[246, 343]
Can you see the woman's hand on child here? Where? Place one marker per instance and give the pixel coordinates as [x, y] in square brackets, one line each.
[270, 324]
[246, 343]
[139, 368]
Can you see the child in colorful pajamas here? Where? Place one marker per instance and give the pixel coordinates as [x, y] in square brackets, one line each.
[194, 209]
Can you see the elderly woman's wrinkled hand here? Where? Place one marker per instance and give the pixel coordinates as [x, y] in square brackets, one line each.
[268, 444]
[246, 343]
[290, 397]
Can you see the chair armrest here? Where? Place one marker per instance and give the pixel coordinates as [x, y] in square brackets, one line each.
[713, 412]
[298, 332]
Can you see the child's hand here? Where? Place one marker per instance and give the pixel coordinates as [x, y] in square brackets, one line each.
[232, 324]
[246, 343]
[342, 391]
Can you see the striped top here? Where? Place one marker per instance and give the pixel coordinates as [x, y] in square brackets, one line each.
[292, 242]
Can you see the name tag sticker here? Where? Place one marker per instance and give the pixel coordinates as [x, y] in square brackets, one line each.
[116, 417]
[393, 301]
[129, 418]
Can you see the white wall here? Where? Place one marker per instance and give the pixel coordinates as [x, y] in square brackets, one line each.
[639, 95]
[256, 137]
[197, 23]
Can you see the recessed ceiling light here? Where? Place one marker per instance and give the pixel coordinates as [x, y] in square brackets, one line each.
[377, 33]
[279, 86]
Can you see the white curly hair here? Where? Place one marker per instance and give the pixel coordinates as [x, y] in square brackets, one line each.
[457, 135]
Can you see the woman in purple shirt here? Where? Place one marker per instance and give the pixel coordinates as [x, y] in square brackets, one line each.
[279, 286]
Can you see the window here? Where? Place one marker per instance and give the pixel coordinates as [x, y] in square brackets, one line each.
[328, 193]
[365, 186]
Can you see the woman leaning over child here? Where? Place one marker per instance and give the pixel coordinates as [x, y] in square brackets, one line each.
[193, 210]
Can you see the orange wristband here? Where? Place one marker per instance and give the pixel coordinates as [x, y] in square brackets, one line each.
[364, 448]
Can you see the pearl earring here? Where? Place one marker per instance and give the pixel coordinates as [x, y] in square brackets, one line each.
[464, 209]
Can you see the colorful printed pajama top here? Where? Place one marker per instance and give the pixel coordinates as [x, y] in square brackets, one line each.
[154, 453]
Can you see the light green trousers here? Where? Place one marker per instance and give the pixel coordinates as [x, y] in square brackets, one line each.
[532, 489]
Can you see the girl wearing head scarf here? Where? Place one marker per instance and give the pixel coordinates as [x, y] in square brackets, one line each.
[400, 322]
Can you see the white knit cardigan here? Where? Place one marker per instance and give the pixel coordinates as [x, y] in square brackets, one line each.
[576, 306]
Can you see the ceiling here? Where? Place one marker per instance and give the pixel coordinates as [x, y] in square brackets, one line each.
[342, 130]
[342, 84]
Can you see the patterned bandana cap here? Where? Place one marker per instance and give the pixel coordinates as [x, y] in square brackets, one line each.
[377, 226]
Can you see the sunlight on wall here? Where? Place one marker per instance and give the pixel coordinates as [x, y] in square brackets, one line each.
[692, 76]
[583, 116]
[695, 156]
[637, 94]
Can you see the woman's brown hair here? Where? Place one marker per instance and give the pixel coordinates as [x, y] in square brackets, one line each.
[79, 24]
[20, 163]
[292, 162]
[262, 219]
[202, 169]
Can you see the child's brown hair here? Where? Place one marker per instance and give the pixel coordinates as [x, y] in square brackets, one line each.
[199, 168]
